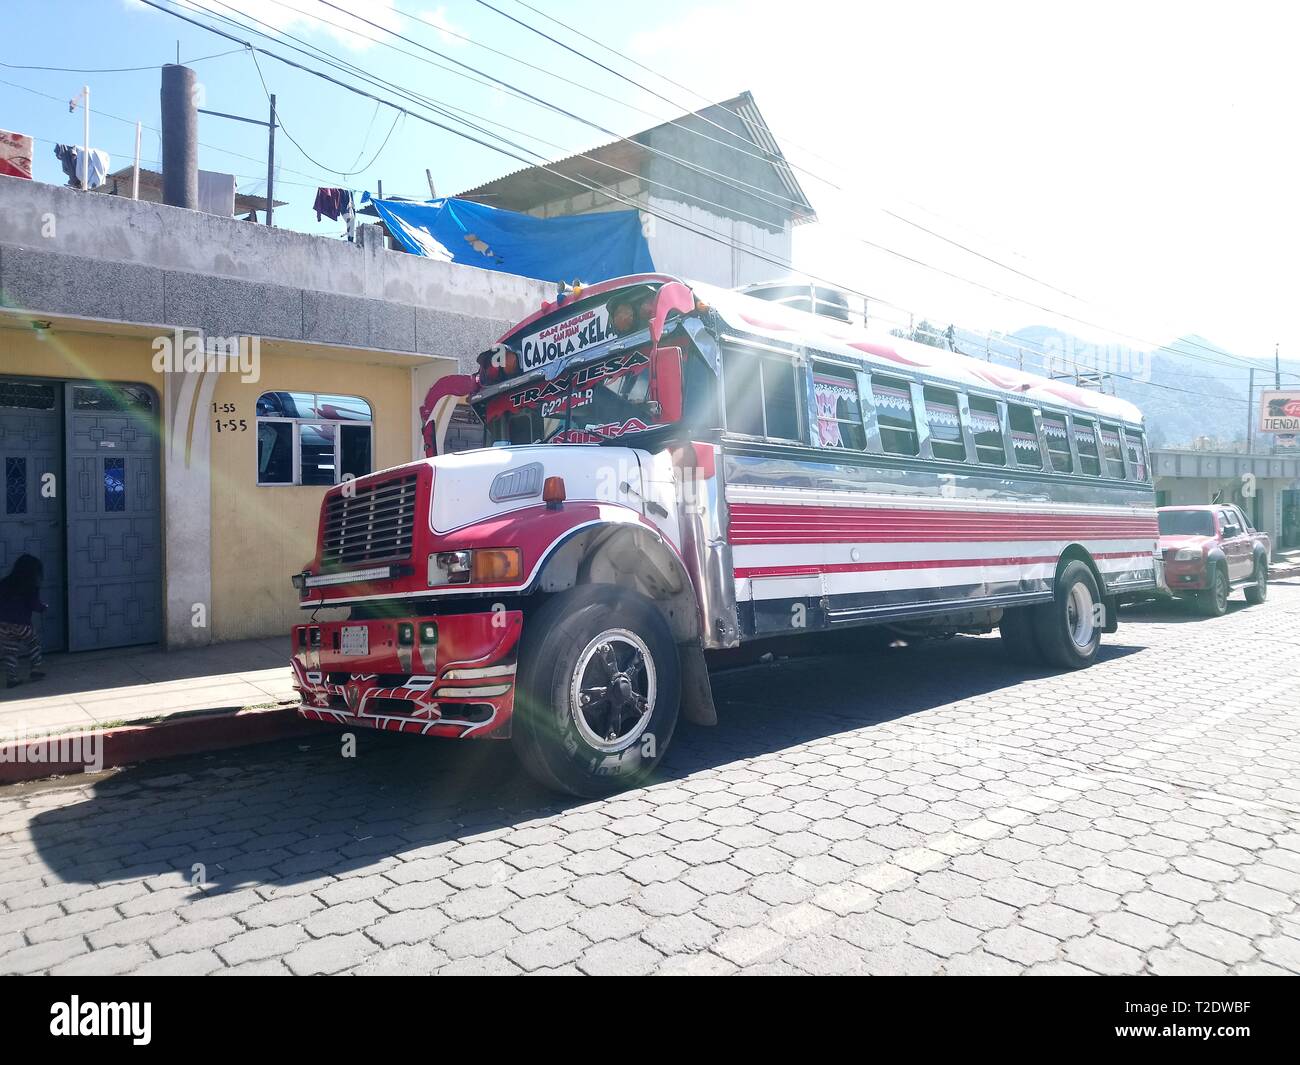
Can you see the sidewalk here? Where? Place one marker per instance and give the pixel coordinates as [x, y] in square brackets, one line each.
[1284, 564]
[97, 689]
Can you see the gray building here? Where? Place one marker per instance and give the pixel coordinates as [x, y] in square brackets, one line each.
[718, 172]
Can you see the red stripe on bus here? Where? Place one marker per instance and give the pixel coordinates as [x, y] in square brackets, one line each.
[931, 563]
[771, 524]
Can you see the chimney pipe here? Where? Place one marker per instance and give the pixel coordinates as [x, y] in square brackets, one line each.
[180, 137]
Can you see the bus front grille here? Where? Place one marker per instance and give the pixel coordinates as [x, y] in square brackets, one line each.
[373, 524]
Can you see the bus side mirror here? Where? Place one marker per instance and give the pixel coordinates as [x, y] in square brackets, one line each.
[668, 383]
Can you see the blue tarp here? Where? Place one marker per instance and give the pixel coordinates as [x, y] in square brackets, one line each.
[586, 248]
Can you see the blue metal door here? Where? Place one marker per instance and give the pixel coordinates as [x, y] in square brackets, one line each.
[31, 518]
[114, 517]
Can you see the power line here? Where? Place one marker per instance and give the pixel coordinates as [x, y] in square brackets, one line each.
[893, 214]
[590, 185]
[644, 88]
[114, 70]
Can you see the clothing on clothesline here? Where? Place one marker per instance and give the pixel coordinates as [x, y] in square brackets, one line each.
[72, 157]
[331, 203]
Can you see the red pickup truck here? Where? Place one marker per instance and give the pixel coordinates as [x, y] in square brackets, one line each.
[1209, 550]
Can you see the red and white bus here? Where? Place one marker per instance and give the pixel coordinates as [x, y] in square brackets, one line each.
[677, 470]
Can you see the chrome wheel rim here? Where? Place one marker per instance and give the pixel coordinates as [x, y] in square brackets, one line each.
[612, 696]
[1078, 615]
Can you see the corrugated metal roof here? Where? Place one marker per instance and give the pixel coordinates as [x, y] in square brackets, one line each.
[527, 187]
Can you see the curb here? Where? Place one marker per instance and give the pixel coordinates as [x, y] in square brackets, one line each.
[60, 754]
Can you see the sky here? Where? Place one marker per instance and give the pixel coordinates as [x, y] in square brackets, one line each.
[1127, 165]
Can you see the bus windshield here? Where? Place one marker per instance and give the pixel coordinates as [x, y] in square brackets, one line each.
[597, 401]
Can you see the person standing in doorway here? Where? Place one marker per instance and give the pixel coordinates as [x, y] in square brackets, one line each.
[20, 598]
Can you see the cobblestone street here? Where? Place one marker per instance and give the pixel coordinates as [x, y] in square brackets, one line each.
[929, 809]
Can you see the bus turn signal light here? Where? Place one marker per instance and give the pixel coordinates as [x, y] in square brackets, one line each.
[497, 565]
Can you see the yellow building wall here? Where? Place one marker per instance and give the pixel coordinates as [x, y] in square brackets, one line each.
[261, 536]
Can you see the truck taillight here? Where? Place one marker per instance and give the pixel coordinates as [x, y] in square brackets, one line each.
[405, 634]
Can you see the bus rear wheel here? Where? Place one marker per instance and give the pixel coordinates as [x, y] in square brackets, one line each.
[1069, 628]
[598, 691]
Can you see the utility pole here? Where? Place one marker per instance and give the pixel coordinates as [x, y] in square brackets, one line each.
[1277, 365]
[270, 125]
[1250, 414]
[270, 164]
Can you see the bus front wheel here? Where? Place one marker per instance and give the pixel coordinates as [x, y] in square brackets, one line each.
[598, 691]
[1069, 627]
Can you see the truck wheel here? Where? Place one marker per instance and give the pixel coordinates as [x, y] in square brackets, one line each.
[1067, 629]
[1017, 630]
[1213, 603]
[1256, 593]
[598, 691]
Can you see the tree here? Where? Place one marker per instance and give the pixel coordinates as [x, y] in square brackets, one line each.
[924, 332]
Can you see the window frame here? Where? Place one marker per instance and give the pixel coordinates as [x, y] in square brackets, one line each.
[762, 354]
[963, 418]
[1003, 415]
[1119, 439]
[1130, 467]
[295, 437]
[1036, 421]
[1050, 463]
[876, 429]
[852, 378]
[1076, 424]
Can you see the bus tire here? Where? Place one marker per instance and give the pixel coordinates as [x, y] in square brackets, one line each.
[1067, 629]
[1256, 593]
[1017, 631]
[590, 640]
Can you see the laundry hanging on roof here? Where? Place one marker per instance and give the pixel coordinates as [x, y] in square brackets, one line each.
[587, 248]
[332, 203]
[72, 157]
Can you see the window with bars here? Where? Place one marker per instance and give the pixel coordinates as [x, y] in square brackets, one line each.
[894, 414]
[1024, 437]
[27, 395]
[305, 438]
[1058, 443]
[839, 413]
[1111, 453]
[1085, 441]
[986, 427]
[944, 419]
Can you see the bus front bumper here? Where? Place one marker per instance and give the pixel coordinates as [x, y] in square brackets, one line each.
[440, 675]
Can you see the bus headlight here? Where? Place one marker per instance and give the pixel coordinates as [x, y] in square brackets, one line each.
[489, 565]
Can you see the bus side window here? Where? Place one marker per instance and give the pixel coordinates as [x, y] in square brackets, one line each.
[1024, 437]
[1058, 442]
[782, 398]
[1137, 453]
[762, 396]
[945, 425]
[839, 414]
[1112, 454]
[1085, 439]
[893, 401]
[987, 429]
[744, 392]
